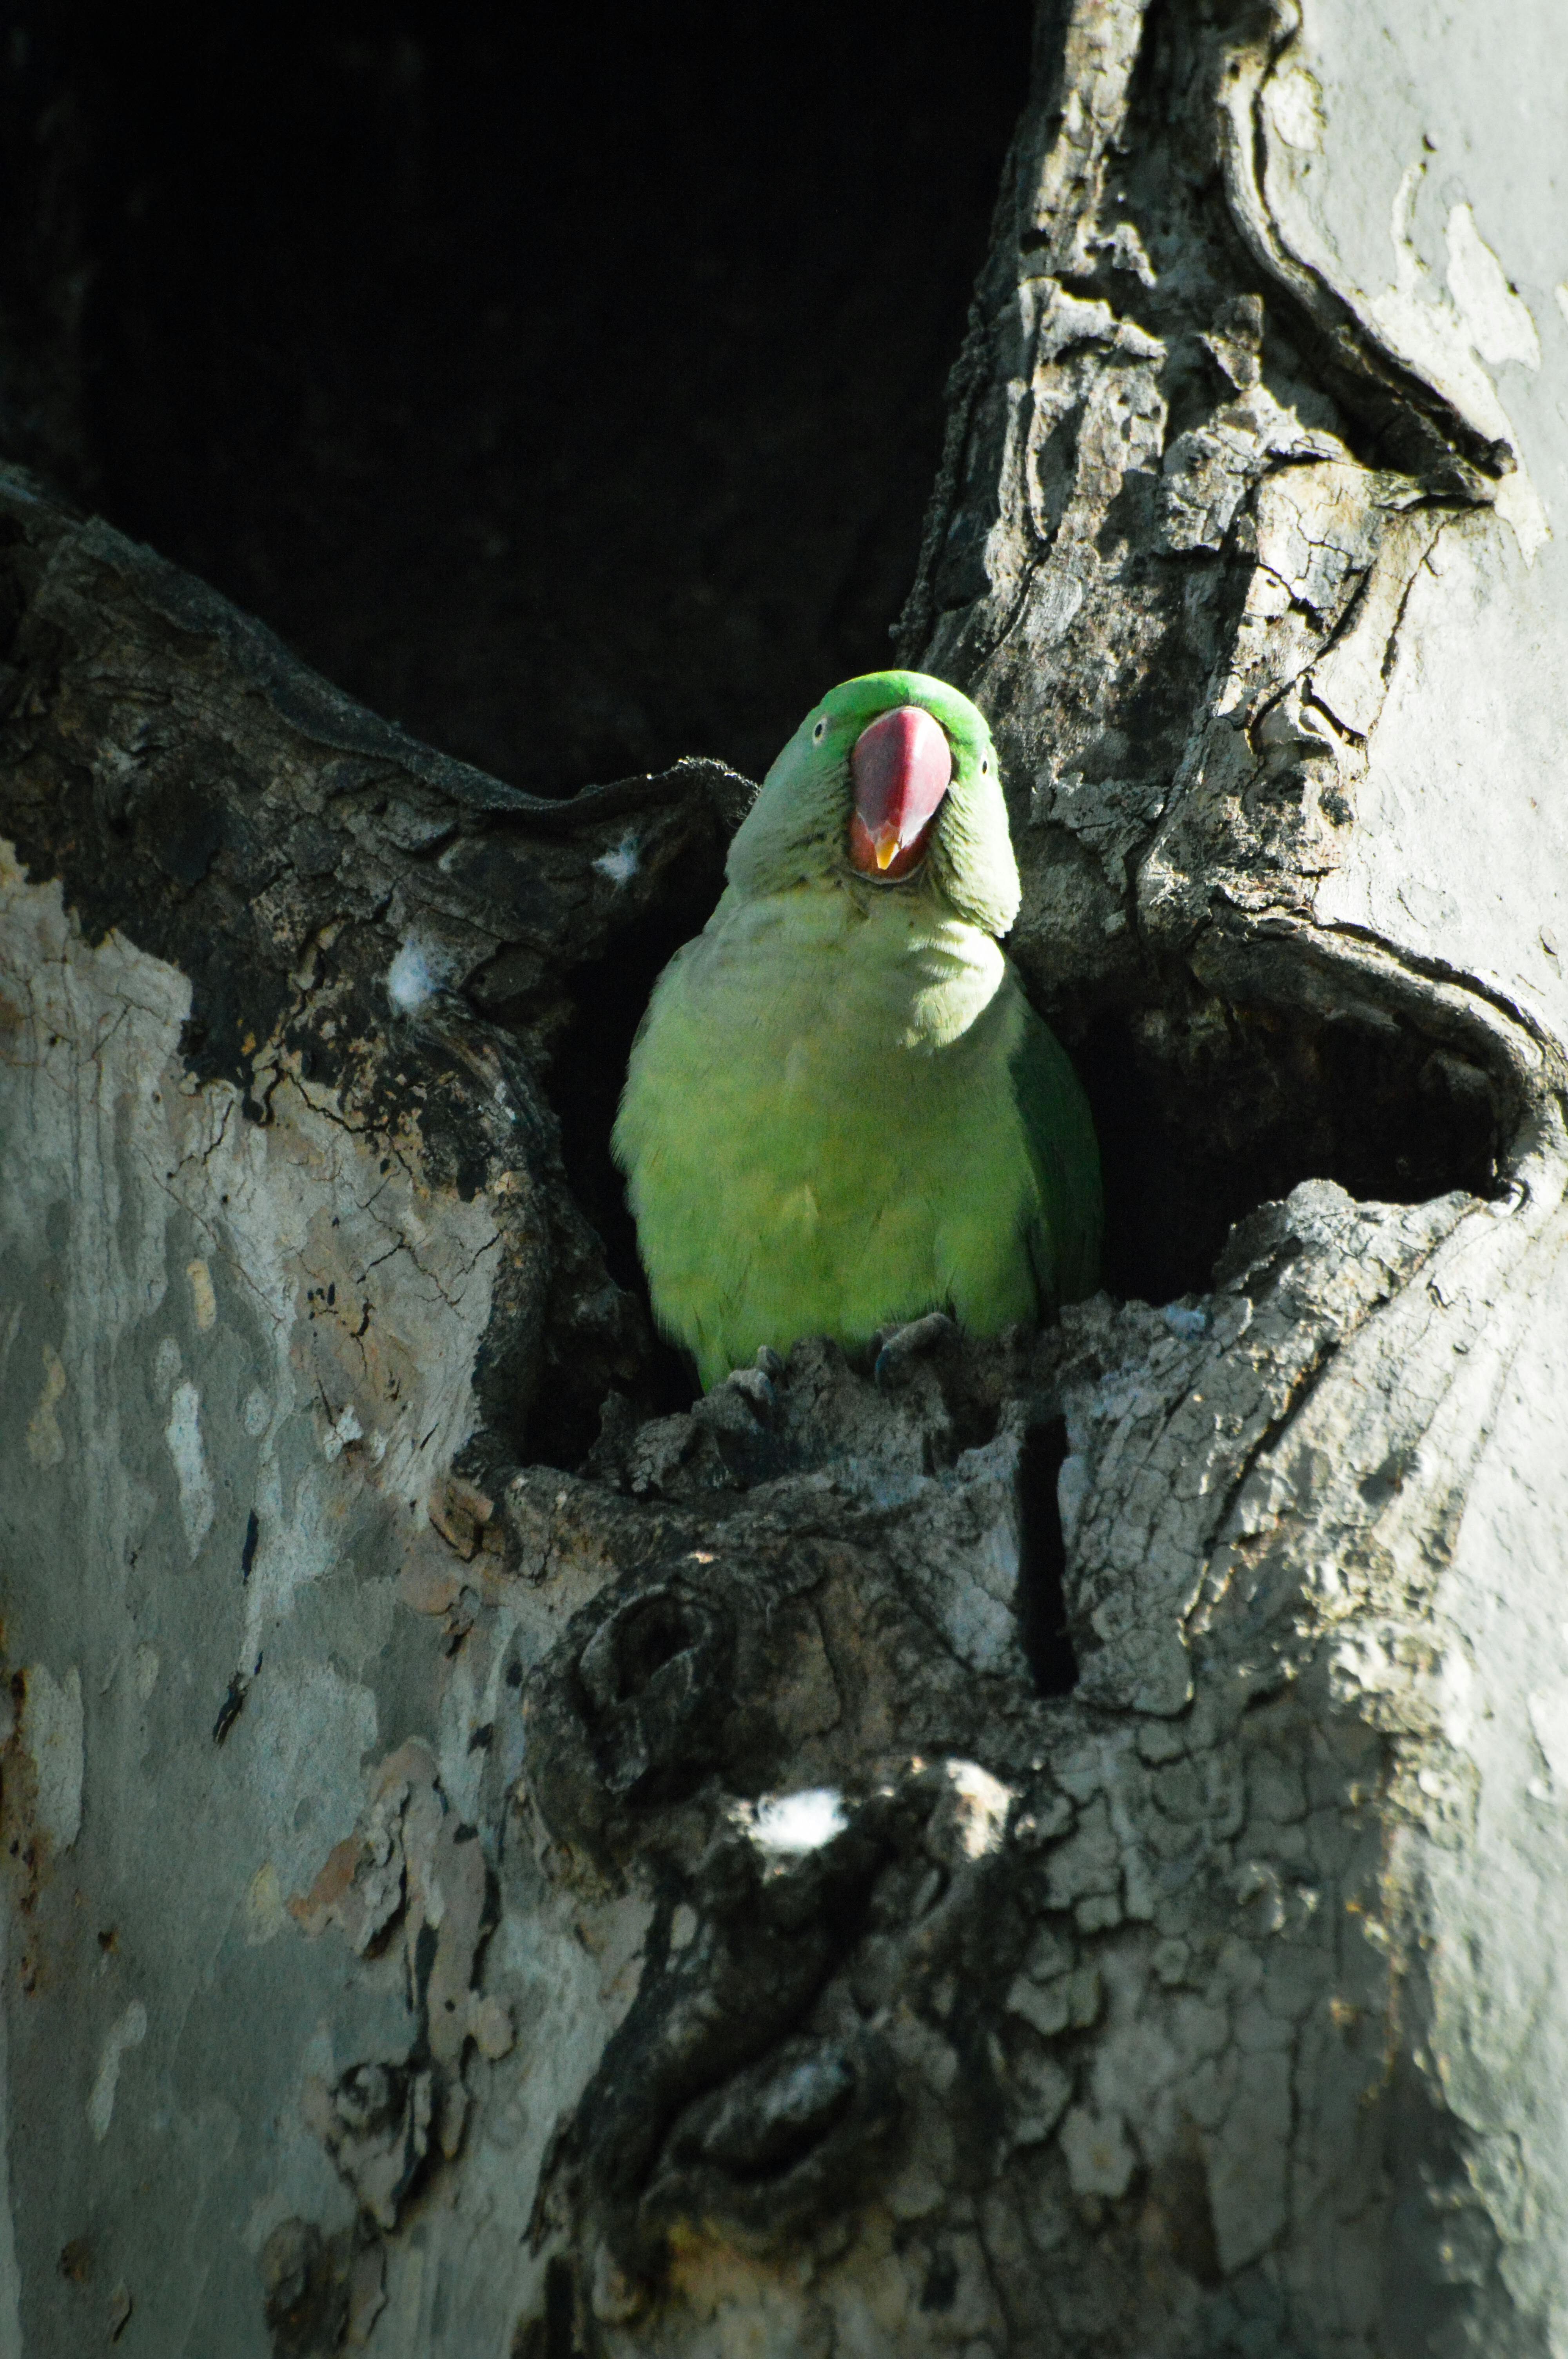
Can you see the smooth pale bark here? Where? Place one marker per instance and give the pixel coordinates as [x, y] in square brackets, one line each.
[461, 1906]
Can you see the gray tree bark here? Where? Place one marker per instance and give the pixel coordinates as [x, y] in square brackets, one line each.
[702, 1902]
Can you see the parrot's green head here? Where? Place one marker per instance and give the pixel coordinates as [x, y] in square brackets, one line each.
[890, 782]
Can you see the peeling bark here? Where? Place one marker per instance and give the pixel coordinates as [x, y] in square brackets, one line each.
[1047, 1845]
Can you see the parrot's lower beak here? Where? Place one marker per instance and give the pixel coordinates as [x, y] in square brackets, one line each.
[902, 766]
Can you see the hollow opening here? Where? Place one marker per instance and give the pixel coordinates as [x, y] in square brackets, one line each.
[568, 386]
[645, 1641]
[1206, 1110]
[1043, 1564]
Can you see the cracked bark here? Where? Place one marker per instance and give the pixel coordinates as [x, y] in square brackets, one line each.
[1045, 1846]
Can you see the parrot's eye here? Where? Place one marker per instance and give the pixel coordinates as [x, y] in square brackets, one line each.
[820, 733]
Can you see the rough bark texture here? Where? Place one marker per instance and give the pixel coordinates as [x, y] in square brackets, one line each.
[1049, 1846]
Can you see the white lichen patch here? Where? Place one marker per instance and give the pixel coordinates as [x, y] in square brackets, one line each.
[621, 861]
[264, 1913]
[982, 1804]
[344, 1428]
[1100, 2160]
[129, 2032]
[1548, 1720]
[1499, 322]
[415, 975]
[1295, 107]
[203, 1300]
[52, 1734]
[198, 1500]
[787, 1826]
[45, 1441]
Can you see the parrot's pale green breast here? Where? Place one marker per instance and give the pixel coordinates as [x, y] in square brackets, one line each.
[841, 1112]
[822, 1129]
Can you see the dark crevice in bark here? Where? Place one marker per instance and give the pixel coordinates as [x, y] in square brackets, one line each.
[1042, 1562]
[1206, 1110]
[553, 2335]
[587, 1067]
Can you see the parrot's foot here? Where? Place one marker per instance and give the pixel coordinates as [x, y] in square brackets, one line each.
[745, 1398]
[739, 1418]
[899, 1347]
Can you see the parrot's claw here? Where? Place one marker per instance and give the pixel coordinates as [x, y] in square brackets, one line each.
[897, 1346]
[771, 1363]
[746, 1392]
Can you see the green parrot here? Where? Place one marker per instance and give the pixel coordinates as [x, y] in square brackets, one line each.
[840, 1111]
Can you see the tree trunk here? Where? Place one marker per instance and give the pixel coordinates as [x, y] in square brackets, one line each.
[1044, 1846]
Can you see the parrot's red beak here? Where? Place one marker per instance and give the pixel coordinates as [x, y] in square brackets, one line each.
[902, 766]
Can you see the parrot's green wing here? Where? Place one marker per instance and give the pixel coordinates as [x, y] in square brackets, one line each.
[1063, 1245]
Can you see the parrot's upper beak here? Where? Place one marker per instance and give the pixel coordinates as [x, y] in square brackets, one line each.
[901, 767]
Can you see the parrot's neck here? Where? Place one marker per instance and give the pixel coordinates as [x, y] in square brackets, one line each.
[882, 970]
